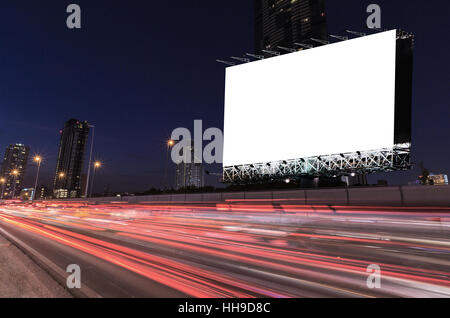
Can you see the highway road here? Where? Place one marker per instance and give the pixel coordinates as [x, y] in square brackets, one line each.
[239, 249]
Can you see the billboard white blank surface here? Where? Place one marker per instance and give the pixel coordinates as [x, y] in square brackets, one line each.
[333, 99]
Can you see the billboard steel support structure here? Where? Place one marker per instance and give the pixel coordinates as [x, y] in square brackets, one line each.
[385, 160]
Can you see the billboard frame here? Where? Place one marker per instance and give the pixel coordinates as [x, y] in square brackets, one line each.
[397, 158]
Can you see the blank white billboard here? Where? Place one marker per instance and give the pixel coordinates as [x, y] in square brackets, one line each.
[338, 98]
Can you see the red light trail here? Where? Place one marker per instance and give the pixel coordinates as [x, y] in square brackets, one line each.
[244, 250]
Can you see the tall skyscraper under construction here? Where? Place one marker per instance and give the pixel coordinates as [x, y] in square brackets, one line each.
[286, 22]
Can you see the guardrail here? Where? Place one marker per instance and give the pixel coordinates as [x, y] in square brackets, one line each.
[368, 196]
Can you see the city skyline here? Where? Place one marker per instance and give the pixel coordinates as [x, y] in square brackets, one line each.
[154, 96]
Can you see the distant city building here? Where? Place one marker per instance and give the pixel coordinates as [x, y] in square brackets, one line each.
[360, 179]
[69, 167]
[355, 180]
[14, 168]
[26, 194]
[440, 179]
[189, 175]
[43, 193]
[108, 192]
[286, 22]
[430, 179]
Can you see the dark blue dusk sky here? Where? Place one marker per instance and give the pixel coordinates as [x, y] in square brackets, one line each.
[139, 69]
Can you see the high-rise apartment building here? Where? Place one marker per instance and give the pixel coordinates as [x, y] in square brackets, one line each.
[69, 167]
[286, 22]
[189, 174]
[13, 169]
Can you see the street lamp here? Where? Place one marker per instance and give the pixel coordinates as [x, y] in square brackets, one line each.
[170, 144]
[97, 165]
[3, 182]
[90, 162]
[38, 160]
[61, 175]
[15, 173]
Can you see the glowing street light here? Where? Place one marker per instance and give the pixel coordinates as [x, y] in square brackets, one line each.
[14, 173]
[170, 144]
[61, 175]
[38, 160]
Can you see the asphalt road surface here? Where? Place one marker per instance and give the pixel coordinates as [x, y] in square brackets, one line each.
[240, 250]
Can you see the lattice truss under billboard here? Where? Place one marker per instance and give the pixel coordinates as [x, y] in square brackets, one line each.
[385, 160]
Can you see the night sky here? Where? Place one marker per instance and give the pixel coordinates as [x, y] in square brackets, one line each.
[139, 69]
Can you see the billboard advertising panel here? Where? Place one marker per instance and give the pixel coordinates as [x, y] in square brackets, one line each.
[337, 98]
